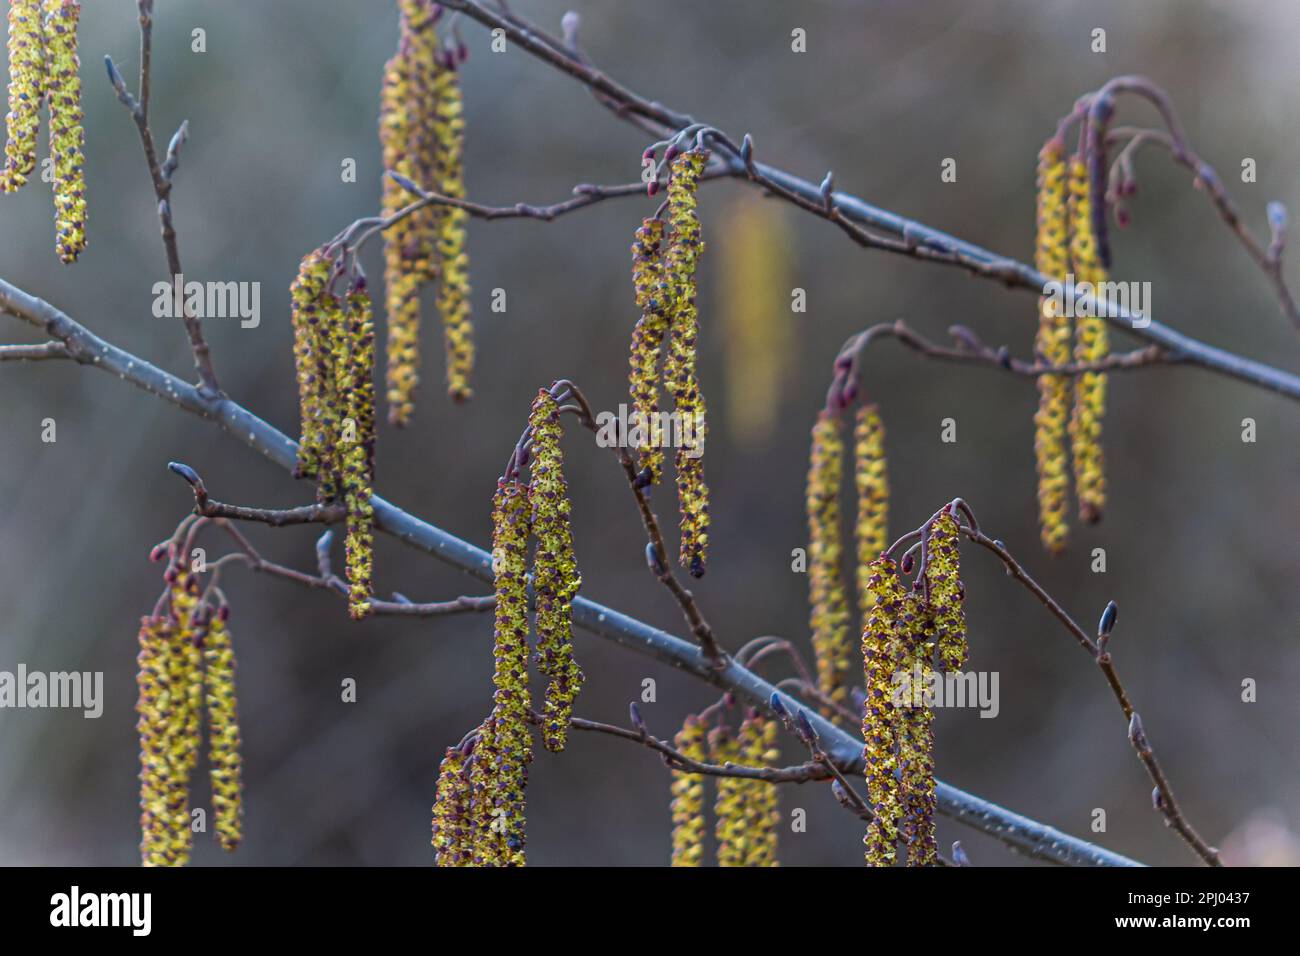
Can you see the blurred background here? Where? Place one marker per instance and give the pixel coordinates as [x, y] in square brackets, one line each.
[1200, 536]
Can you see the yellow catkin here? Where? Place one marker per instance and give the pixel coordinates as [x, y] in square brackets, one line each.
[1052, 344]
[759, 342]
[871, 478]
[680, 377]
[26, 89]
[451, 811]
[916, 736]
[884, 652]
[827, 598]
[555, 571]
[652, 298]
[153, 684]
[410, 253]
[331, 364]
[688, 796]
[223, 731]
[354, 383]
[947, 596]
[67, 138]
[757, 741]
[454, 291]
[506, 744]
[729, 806]
[305, 305]
[1090, 345]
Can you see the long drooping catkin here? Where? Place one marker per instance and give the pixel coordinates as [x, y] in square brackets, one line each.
[26, 91]
[1052, 343]
[223, 731]
[652, 298]
[1091, 345]
[884, 651]
[871, 478]
[827, 596]
[67, 138]
[454, 291]
[916, 736]
[946, 595]
[688, 795]
[354, 381]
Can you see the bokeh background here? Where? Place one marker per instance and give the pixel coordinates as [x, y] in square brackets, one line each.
[1200, 537]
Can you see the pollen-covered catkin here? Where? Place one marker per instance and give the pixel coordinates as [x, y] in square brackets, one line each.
[410, 253]
[26, 89]
[729, 806]
[680, 378]
[872, 480]
[223, 731]
[153, 707]
[67, 138]
[354, 384]
[451, 811]
[884, 651]
[947, 595]
[652, 297]
[688, 796]
[507, 745]
[916, 737]
[827, 597]
[305, 306]
[454, 291]
[1052, 343]
[331, 364]
[555, 571]
[1090, 345]
[757, 740]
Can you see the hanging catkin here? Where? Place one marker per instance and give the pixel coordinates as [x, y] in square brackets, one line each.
[1052, 343]
[871, 478]
[827, 596]
[26, 90]
[1090, 345]
[67, 138]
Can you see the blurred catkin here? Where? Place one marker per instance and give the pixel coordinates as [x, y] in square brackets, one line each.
[1090, 345]
[871, 477]
[1052, 343]
[827, 595]
[729, 806]
[757, 322]
[757, 740]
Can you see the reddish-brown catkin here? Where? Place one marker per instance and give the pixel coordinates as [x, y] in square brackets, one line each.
[680, 378]
[1091, 345]
[555, 571]
[652, 297]
[26, 90]
[67, 138]
[827, 596]
[1052, 343]
[688, 795]
[884, 651]
[872, 480]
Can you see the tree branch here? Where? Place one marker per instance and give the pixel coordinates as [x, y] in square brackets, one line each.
[1028, 836]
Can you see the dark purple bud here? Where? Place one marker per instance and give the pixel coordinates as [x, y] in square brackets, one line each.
[171, 574]
[652, 187]
[402, 181]
[671, 152]
[1157, 800]
[1122, 217]
[1136, 734]
[1129, 187]
[637, 721]
[655, 560]
[959, 854]
[648, 153]
[1004, 356]
[158, 552]
[805, 728]
[185, 471]
[462, 52]
[223, 612]
[906, 564]
[1108, 618]
[778, 708]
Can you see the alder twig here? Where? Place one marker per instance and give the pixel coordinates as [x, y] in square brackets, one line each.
[34, 353]
[160, 173]
[276, 517]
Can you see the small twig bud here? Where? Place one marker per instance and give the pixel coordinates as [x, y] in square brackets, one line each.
[634, 712]
[1277, 228]
[828, 190]
[405, 183]
[655, 560]
[1136, 734]
[179, 138]
[1106, 625]
[778, 708]
[569, 24]
[1157, 800]
[959, 854]
[805, 729]
[747, 152]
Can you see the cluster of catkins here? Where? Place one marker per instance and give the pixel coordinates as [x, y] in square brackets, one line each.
[1067, 244]
[478, 812]
[829, 615]
[334, 353]
[422, 132]
[663, 274]
[907, 631]
[186, 666]
[746, 810]
[43, 67]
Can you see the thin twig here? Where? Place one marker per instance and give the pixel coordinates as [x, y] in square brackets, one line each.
[34, 353]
